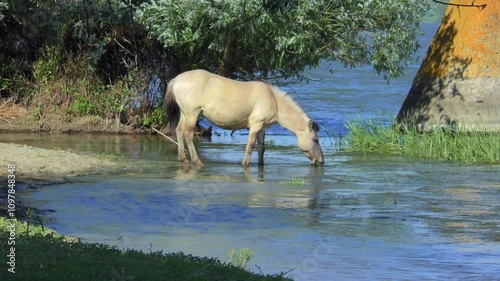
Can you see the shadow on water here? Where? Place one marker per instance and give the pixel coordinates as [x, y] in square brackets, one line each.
[360, 216]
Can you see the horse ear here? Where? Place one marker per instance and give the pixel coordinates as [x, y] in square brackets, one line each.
[313, 126]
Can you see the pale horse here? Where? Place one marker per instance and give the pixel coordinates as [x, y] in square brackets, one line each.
[233, 105]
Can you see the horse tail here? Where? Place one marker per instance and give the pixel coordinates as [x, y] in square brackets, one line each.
[173, 110]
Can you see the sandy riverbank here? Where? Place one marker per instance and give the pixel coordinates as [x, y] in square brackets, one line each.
[46, 164]
[35, 167]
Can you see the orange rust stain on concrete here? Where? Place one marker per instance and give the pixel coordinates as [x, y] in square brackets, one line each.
[466, 44]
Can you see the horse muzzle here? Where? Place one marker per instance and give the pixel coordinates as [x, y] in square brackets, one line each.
[317, 162]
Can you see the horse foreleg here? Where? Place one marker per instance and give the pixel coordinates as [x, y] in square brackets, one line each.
[248, 152]
[260, 146]
[252, 136]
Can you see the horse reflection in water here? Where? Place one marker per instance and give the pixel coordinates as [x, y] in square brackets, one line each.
[234, 105]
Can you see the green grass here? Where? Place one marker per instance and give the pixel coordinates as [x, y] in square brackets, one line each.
[45, 255]
[297, 181]
[446, 144]
[241, 258]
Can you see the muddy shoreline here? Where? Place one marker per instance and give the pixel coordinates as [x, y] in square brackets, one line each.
[36, 167]
[19, 119]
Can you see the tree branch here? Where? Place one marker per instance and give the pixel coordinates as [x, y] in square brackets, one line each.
[472, 5]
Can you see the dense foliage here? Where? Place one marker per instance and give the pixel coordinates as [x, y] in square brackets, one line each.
[84, 57]
[282, 38]
[112, 58]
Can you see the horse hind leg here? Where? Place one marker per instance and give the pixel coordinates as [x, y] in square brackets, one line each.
[180, 131]
[190, 125]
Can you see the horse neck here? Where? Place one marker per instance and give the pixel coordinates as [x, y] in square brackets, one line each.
[290, 115]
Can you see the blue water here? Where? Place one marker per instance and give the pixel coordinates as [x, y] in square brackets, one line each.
[364, 217]
[359, 217]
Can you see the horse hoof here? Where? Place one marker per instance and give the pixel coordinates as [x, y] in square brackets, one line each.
[198, 163]
[185, 162]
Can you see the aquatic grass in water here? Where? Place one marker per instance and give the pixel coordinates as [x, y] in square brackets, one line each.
[297, 181]
[445, 143]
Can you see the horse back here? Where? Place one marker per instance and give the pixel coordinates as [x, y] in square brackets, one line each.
[226, 103]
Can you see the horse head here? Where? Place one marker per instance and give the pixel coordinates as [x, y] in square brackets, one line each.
[309, 143]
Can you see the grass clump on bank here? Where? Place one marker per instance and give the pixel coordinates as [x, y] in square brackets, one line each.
[445, 143]
[44, 255]
[240, 258]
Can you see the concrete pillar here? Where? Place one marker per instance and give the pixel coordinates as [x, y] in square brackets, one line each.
[458, 83]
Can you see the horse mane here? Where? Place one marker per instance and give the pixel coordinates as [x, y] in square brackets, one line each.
[289, 99]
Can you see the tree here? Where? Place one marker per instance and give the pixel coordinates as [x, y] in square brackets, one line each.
[105, 57]
[85, 57]
[251, 39]
[458, 83]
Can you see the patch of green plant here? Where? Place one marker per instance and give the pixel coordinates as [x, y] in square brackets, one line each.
[270, 143]
[12, 80]
[33, 226]
[340, 139]
[241, 258]
[156, 118]
[295, 181]
[47, 68]
[83, 106]
[44, 255]
[445, 143]
[37, 112]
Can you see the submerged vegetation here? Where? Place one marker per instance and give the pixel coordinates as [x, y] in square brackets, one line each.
[41, 254]
[445, 143]
[295, 181]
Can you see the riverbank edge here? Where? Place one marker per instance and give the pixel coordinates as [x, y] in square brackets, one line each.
[38, 253]
[445, 144]
[29, 167]
[20, 119]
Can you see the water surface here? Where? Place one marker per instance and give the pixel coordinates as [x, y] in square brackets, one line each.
[359, 217]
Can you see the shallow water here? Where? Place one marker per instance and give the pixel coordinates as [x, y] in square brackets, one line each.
[357, 217]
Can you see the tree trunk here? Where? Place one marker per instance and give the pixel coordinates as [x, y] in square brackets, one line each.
[458, 83]
[227, 65]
